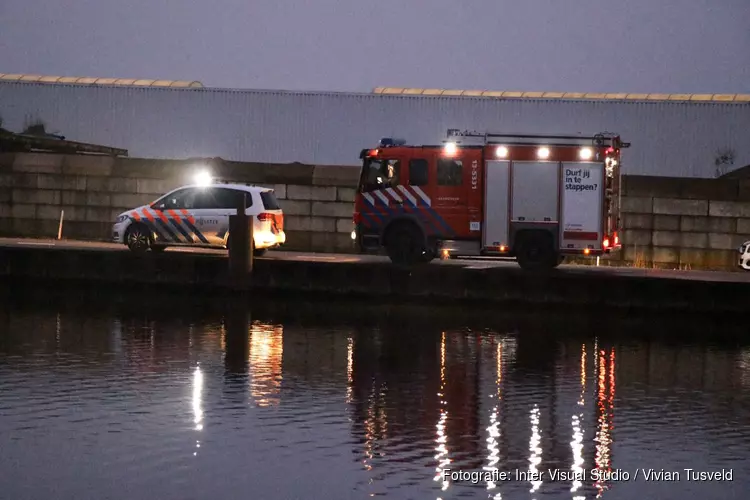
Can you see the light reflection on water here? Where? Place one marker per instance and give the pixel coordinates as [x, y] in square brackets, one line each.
[280, 409]
[266, 351]
[535, 456]
[442, 439]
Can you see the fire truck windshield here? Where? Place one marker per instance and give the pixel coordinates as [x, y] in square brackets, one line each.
[379, 174]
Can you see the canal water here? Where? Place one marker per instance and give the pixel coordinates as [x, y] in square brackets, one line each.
[142, 396]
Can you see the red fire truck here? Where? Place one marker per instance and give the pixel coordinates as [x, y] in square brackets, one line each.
[536, 198]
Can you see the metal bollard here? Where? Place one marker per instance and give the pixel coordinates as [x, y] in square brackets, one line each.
[241, 247]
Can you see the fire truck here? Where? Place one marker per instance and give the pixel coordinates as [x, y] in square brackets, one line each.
[535, 198]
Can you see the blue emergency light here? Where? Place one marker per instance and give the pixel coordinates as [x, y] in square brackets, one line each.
[387, 142]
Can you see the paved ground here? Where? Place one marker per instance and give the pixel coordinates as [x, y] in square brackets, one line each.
[469, 263]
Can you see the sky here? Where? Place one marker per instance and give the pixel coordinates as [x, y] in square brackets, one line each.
[660, 46]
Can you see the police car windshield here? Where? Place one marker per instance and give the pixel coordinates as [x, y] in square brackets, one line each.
[379, 174]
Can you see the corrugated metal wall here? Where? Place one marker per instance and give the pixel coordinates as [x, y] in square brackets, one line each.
[668, 138]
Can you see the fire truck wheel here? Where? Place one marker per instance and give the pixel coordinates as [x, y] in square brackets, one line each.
[403, 245]
[428, 255]
[535, 252]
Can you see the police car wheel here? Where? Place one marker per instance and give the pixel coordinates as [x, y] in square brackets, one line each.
[138, 239]
[257, 252]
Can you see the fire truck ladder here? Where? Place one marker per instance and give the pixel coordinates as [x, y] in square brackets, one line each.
[600, 139]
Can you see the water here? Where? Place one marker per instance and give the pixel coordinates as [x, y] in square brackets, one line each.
[151, 398]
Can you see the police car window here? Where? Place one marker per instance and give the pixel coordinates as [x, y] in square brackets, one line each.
[269, 200]
[418, 172]
[205, 199]
[177, 200]
[449, 172]
[230, 198]
[380, 174]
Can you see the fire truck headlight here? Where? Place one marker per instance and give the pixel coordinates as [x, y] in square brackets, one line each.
[585, 153]
[451, 148]
[543, 153]
[501, 152]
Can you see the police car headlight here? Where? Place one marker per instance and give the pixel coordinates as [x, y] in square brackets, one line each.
[122, 218]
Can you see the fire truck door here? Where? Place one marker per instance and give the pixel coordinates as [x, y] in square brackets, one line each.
[451, 192]
[380, 202]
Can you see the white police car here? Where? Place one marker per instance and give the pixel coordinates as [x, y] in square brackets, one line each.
[744, 261]
[198, 216]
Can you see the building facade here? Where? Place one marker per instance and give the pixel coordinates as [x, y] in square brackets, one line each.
[671, 135]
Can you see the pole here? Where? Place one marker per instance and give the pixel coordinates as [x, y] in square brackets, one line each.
[59, 228]
[240, 248]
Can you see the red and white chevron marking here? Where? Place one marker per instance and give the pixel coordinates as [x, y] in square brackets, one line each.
[386, 195]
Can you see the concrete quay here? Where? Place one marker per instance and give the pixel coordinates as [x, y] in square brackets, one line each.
[575, 288]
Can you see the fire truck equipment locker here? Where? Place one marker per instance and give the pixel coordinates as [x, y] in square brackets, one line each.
[496, 203]
[535, 192]
[583, 195]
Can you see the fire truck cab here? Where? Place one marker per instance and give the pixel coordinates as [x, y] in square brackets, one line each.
[532, 197]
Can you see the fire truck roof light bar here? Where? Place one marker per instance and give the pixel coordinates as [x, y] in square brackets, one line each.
[387, 142]
[490, 138]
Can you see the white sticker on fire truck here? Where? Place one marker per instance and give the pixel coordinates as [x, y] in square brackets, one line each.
[474, 226]
[582, 198]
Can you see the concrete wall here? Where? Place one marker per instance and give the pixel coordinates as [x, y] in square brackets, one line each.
[668, 222]
[93, 190]
[684, 223]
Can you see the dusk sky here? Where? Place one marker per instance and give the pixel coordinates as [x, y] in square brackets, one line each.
[663, 46]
